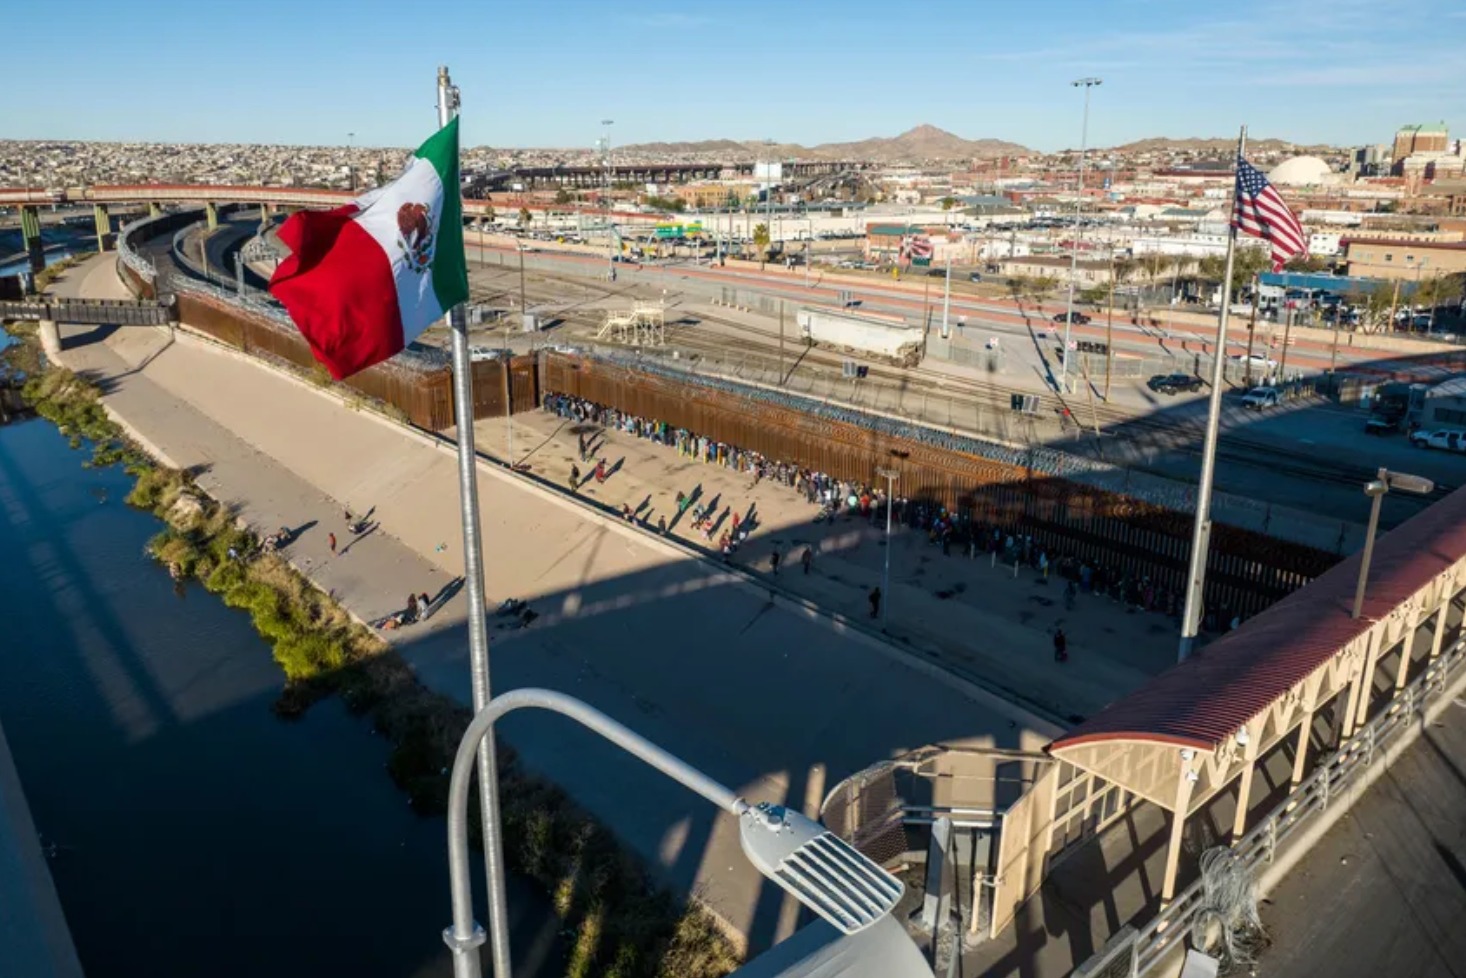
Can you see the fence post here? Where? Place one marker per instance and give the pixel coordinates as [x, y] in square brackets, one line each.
[1369, 736]
[1272, 838]
[1325, 776]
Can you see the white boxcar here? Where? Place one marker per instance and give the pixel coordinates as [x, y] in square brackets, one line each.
[889, 338]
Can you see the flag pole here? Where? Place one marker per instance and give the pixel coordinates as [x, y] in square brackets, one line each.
[473, 572]
[1201, 534]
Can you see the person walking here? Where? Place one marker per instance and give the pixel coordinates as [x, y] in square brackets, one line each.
[574, 476]
[662, 525]
[1061, 646]
[601, 472]
[807, 559]
[580, 441]
[875, 602]
[331, 542]
[774, 562]
[412, 607]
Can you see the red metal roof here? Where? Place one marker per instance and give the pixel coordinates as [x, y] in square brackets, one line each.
[1207, 698]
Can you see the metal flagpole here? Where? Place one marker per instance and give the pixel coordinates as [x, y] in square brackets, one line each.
[1201, 536]
[473, 572]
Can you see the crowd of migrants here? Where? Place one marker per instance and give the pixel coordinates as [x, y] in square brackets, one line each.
[955, 532]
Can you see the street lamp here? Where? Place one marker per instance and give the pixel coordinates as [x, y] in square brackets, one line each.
[1383, 482]
[610, 235]
[1086, 84]
[821, 870]
[890, 475]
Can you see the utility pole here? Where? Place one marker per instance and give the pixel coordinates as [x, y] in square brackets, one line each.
[781, 342]
[1110, 326]
[523, 306]
[1251, 326]
[1086, 84]
[509, 396]
[947, 298]
[610, 234]
[1287, 332]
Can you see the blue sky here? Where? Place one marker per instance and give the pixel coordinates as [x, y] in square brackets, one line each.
[545, 72]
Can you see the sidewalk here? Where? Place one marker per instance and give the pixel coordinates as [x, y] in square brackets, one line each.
[760, 692]
[974, 613]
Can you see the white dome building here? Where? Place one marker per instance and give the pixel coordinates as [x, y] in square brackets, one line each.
[1302, 171]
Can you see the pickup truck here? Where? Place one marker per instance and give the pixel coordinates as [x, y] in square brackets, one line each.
[1449, 441]
[1262, 397]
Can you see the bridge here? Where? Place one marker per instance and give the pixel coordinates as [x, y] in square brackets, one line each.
[48, 311]
[591, 175]
[29, 201]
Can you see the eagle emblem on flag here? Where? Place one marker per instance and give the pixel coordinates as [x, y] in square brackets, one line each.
[415, 230]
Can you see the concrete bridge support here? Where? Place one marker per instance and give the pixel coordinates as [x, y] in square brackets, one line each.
[30, 235]
[50, 338]
[105, 238]
[211, 212]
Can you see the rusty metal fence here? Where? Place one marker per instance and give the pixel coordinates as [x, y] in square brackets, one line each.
[1024, 491]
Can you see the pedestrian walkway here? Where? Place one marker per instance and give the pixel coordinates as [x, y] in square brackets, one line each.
[763, 694]
[974, 613]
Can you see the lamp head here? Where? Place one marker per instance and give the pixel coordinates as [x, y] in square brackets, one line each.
[824, 872]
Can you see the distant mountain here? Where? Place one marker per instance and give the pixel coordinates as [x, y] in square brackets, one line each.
[924, 142]
[1164, 144]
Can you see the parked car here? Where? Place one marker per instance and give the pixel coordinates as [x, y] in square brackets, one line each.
[1075, 317]
[1262, 397]
[975, 277]
[1174, 383]
[1447, 441]
[1260, 360]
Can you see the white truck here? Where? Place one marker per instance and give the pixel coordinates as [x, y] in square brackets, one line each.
[888, 338]
[1444, 440]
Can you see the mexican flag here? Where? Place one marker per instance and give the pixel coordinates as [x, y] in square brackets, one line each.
[364, 280]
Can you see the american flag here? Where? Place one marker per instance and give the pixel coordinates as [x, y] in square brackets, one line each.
[1260, 212]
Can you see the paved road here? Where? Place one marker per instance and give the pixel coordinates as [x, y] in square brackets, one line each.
[771, 698]
[1384, 893]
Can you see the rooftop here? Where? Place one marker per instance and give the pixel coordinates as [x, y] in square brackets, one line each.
[1204, 700]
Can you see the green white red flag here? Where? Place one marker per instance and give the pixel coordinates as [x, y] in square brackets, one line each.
[364, 280]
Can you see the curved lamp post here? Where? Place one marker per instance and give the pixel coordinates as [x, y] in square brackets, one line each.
[821, 870]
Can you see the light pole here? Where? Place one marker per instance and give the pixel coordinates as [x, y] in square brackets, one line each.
[610, 236]
[890, 475]
[827, 875]
[1383, 482]
[1086, 84]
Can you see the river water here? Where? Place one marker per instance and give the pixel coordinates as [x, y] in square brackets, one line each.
[198, 834]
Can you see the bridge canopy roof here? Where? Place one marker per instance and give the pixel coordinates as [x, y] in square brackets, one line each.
[1209, 697]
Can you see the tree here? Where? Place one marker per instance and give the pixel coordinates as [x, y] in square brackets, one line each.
[1307, 263]
[761, 243]
[525, 217]
[948, 203]
[562, 196]
[1043, 286]
[1125, 267]
[1095, 295]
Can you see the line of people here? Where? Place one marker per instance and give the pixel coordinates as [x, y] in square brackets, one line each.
[948, 529]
